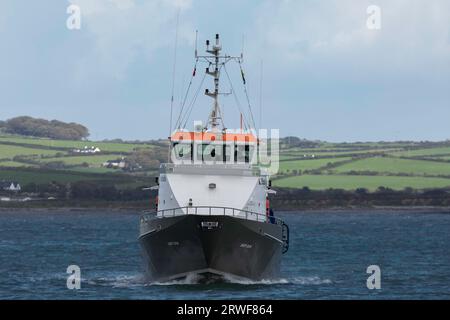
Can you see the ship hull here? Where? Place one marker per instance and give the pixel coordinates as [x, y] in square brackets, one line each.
[175, 247]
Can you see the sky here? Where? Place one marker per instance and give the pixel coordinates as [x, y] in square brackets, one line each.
[324, 74]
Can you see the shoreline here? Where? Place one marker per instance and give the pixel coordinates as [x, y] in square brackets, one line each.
[138, 211]
[373, 209]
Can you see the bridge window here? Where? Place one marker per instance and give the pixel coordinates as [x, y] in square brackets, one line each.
[182, 151]
[210, 152]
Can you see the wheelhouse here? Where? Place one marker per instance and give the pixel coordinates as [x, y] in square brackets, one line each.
[214, 147]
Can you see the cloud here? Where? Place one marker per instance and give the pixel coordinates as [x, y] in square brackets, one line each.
[299, 29]
[122, 29]
[324, 71]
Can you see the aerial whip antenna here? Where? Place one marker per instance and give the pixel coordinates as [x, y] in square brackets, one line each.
[173, 79]
[260, 93]
[242, 50]
[196, 36]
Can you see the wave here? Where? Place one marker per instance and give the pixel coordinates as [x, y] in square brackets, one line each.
[311, 281]
[130, 280]
[197, 279]
[190, 279]
[314, 280]
[118, 280]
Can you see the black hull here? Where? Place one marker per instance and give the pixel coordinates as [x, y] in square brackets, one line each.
[221, 245]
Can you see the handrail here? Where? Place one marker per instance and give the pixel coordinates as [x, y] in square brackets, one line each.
[152, 214]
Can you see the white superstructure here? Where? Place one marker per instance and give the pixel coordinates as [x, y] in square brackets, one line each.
[213, 216]
[214, 168]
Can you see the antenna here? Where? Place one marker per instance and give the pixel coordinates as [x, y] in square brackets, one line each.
[215, 63]
[260, 93]
[196, 36]
[242, 50]
[173, 79]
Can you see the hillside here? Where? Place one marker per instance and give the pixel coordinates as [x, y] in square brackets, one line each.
[40, 161]
[349, 166]
[89, 172]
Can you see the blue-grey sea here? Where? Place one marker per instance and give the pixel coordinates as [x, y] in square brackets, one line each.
[328, 257]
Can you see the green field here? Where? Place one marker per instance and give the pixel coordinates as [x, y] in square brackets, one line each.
[9, 152]
[307, 164]
[67, 144]
[32, 157]
[43, 156]
[321, 182]
[93, 170]
[35, 152]
[319, 153]
[44, 176]
[442, 158]
[387, 171]
[423, 152]
[396, 165]
[16, 164]
[95, 161]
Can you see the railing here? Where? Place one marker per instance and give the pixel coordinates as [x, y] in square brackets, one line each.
[217, 211]
[210, 211]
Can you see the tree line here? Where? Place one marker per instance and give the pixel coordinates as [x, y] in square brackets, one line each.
[54, 129]
[88, 190]
[285, 199]
[305, 198]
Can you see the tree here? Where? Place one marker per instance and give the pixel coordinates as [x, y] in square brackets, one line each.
[54, 129]
[146, 158]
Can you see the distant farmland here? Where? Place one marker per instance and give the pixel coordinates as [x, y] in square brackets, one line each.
[29, 160]
[9, 151]
[386, 165]
[371, 183]
[67, 144]
[302, 165]
[365, 165]
[348, 166]
[92, 161]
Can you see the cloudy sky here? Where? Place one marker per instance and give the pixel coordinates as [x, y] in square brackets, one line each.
[325, 74]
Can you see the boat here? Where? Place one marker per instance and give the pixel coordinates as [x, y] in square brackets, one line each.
[213, 217]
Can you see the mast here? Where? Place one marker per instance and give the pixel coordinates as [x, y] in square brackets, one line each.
[215, 62]
[215, 51]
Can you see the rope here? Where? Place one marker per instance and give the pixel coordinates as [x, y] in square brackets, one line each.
[186, 95]
[246, 95]
[191, 105]
[238, 104]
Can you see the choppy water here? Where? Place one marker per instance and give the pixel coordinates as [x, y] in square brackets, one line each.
[328, 257]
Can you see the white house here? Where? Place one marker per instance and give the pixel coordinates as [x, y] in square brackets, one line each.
[115, 164]
[87, 149]
[10, 186]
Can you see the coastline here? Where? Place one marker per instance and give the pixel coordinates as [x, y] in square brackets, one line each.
[370, 209]
[138, 210]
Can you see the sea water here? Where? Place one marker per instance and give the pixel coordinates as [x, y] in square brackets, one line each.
[328, 257]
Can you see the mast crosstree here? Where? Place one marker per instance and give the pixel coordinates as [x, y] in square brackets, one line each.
[216, 61]
[215, 64]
